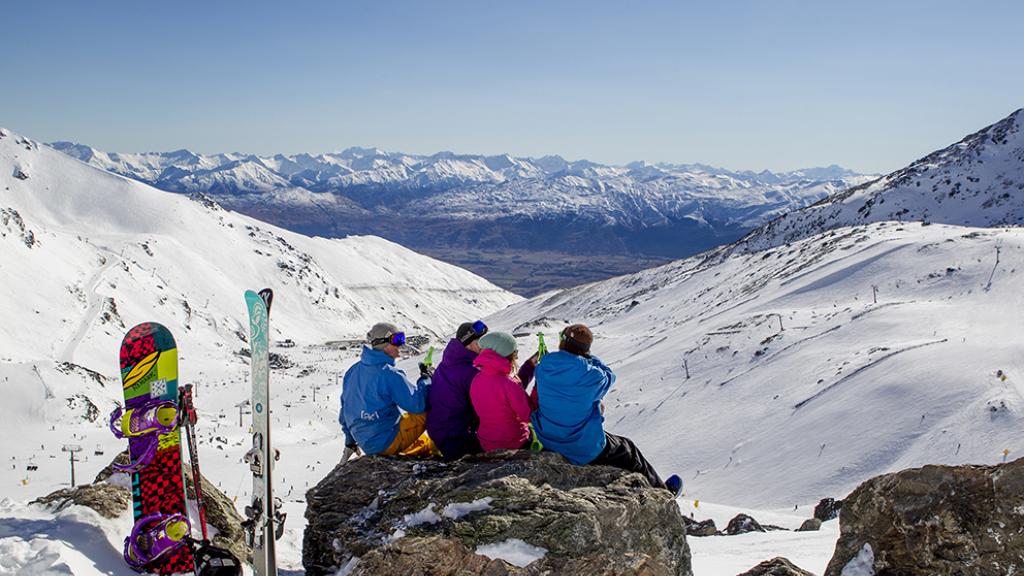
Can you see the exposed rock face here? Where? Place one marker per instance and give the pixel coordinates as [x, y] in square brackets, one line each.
[776, 567]
[108, 500]
[401, 516]
[936, 520]
[810, 525]
[742, 524]
[828, 509]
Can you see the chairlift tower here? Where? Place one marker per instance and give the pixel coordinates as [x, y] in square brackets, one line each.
[72, 449]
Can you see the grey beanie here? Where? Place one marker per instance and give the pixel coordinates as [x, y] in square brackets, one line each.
[380, 331]
[502, 343]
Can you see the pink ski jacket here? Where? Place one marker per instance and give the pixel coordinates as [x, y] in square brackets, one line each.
[501, 402]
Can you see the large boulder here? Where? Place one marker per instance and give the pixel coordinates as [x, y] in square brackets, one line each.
[391, 515]
[935, 520]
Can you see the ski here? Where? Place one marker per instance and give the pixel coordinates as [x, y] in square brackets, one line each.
[150, 421]
[263, 512]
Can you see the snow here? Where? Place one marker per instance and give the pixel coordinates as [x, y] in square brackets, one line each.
[730, 555]
[849, 388]
[425, 516]
[862, 565]
[75, 540]
[457, 510]
[514, 551]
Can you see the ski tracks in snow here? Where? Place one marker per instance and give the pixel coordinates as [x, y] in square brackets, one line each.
[93, 309]
[871, 364]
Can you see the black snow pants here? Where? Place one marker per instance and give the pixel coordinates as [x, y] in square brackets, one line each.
[621, 452]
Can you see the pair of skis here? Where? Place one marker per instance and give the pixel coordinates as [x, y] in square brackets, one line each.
[264, 522]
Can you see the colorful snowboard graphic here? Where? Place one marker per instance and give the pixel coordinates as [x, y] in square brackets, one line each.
[262, 513]
[149, 371]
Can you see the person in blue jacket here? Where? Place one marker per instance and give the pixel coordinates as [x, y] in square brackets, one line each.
[373, 392]
[569, 419]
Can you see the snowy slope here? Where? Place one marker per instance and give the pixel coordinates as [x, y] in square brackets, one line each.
[837, 342]
[975, 182]
[87, 254]
[849, 389]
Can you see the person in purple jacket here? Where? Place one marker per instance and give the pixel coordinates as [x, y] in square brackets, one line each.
[452, 423]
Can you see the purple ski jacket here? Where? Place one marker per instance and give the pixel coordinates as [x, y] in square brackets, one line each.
[451, 422]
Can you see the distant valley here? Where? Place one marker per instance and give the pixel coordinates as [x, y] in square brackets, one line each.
[528, 224]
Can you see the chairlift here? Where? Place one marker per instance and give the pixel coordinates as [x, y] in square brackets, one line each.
[31, 468]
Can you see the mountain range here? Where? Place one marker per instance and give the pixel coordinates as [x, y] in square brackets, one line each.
[491, 213]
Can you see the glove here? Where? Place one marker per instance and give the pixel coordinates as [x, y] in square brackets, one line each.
[426, 371]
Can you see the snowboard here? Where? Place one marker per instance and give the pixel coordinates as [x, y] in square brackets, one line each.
[149, 370]
[262, 512]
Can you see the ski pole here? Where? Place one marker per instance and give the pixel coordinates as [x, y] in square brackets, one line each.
[193, 454]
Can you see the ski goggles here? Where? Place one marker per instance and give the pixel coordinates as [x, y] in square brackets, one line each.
[396, 339]
[477, 330]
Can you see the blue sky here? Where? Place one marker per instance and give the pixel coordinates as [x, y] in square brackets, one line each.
[744, 85]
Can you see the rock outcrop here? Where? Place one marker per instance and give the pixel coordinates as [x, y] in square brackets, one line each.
[828, 509]
[108, 500]
[110, 496]
[700, 527]
[810, 525]
[936, 520]
[741, 524]
[402, 516]
[776, 567]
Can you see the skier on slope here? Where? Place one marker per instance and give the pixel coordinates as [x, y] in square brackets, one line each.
[499, 398]
[374, 390]
[570, 417]
[452, 422]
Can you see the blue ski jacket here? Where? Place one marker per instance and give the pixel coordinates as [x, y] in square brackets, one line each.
[568, 418]
[373, 391]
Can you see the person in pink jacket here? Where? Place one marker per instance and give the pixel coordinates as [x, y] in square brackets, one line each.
[499, 397]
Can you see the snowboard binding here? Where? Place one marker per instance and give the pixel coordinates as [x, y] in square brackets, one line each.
[145, 423]
[154, 417]
[154, 537]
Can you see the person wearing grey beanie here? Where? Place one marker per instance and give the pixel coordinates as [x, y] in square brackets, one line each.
[374, 392]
